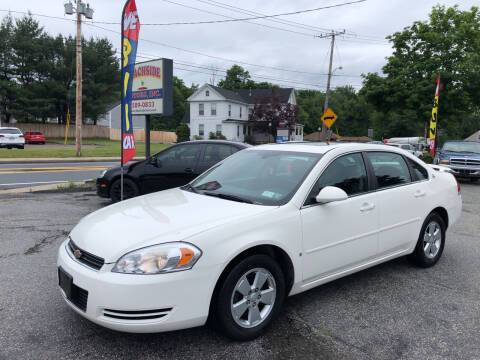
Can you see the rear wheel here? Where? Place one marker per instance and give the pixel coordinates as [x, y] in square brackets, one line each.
[130, 189]
[431, 242]
[21, 147]
[249, 298]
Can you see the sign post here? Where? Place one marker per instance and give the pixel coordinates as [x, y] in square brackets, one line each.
[328, 119]
[130, 30]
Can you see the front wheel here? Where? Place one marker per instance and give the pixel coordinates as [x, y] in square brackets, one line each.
[249, 298]
[431, 242]
[130, 189]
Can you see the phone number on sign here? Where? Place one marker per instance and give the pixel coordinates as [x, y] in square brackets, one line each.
[143, 104]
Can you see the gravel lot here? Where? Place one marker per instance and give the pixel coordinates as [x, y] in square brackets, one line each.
[392, 311]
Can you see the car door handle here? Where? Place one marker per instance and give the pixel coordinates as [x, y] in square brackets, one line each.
[419, 193]
[367, 207]
[188, 170]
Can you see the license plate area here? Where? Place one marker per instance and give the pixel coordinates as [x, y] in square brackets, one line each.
[65, 281]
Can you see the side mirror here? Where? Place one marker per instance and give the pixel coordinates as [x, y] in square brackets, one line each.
[330, 194]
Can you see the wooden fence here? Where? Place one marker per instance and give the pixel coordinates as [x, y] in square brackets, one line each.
[92, 131]
[162, 136]
[58, 131]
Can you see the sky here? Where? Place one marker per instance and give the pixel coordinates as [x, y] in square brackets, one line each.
[286, 50]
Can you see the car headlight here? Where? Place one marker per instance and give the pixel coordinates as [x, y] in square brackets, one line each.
[158, 259]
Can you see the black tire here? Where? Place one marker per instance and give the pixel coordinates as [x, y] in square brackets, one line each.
[21, 147]
[419, 256]
[223, 319]
[474, 180]
[130, 189]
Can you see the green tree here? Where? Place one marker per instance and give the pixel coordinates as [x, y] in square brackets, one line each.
[180, 106]
[7, 83]
[448, 45]
[239, 78]
[101, 74]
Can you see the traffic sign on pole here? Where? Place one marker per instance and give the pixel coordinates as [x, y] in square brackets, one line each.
[329, 118]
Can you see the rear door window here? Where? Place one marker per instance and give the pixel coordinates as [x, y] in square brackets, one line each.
[390, 169]
[419, 171]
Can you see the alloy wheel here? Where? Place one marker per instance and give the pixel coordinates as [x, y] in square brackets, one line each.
[253, 297]
[432, 239]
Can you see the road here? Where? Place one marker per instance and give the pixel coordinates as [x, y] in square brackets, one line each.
[391, 311]
[26, 175]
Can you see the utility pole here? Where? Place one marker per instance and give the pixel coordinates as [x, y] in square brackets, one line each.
[87, 11]
[325, 107]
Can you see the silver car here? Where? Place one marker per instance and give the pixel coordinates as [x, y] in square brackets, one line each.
[11, 137]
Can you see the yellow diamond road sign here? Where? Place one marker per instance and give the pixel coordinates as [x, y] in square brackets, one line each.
[329, 117]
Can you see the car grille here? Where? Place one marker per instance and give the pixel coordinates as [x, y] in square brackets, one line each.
[136, 315]
[86, 258]
[465, 162]
[79, 297]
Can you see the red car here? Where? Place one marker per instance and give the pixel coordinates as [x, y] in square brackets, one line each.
[32, 137]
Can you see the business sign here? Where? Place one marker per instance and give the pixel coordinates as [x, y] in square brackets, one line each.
[130, 30]
[433, 121]
[282, 135]
[152, 90]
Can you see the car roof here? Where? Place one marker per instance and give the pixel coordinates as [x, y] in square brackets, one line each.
[3, 128]
[225, 142]
[322, 148]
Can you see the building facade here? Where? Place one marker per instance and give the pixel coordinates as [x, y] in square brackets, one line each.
[220, 111]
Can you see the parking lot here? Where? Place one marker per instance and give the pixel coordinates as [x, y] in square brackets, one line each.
[392, 311]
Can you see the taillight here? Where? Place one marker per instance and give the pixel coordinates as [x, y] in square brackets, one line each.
[458, 184]
[2, 135]
[21, 136]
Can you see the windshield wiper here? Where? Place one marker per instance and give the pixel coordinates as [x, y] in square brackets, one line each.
[228, 197]
[189, 187]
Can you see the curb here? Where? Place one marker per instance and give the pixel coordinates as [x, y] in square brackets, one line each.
[31, 189]
[62, 160]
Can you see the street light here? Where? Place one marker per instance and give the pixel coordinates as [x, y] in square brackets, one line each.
[87, 11]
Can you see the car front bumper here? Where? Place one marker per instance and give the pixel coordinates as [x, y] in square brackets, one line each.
[102, 188]
[140, 303]
[464, 171]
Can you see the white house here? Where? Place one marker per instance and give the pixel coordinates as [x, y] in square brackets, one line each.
[226, 112]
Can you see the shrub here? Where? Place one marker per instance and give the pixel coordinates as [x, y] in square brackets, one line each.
[427, 157]
[183, 133]
[213, 136]
[198, 137]
[249, 139]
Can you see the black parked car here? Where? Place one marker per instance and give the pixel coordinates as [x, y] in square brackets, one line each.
[175, 166]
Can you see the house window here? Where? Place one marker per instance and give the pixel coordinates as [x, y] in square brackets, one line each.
[240, 112]
[219, 129]
[213, 109]
[207, 93]
[238, 130]
[229, 110]
[244, 129]
[250, 112]
[201, 129]
[201, 110]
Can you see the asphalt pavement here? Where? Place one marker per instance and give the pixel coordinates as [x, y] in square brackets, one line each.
[23, 175]
[391, 311]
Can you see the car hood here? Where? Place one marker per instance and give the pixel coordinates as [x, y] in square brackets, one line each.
[460, 155]
[165, 216]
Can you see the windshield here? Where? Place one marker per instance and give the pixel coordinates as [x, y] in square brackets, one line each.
[263, 177]
[459, 146]
[10, 131]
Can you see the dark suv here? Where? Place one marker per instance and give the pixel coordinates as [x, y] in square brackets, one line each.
[462, 157]
[175, 166]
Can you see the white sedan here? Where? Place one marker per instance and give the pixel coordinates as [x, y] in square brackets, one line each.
[267, 222]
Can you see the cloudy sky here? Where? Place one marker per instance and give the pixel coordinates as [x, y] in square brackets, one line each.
[282, 50]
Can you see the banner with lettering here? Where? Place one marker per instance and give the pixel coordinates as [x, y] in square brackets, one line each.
[433, 121]
[130, 31]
